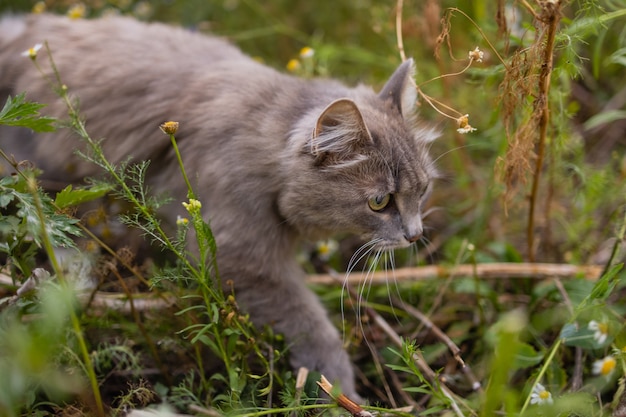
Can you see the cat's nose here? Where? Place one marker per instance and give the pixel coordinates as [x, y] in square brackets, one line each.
[413, 237]
[413, 230]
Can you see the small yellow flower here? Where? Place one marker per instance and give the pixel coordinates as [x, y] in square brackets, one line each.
[601, 330]
[476, 55]
[540, 395]
[169, 128]
[32, 52]
[39, 7]
[293, 65]
[464, 126]
[77, 11]
[307, 52]
[193, 205]
[604, 366]
[182, 221]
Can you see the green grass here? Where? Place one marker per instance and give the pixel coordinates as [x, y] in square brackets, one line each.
[543, 178]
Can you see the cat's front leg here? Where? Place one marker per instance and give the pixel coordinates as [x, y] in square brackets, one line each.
[285, 303]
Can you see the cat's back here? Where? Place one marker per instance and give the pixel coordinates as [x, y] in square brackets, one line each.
[127, 76]
[124, 39]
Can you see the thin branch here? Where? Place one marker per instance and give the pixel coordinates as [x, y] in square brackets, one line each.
[551, 15]
[343, 401]
[155, 301]
[417, 358]
[481, 271]
[399, 7]
[452, 347]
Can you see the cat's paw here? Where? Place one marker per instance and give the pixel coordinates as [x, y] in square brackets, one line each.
[331, 360]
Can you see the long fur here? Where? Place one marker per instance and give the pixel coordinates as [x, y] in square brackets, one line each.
[247, 137]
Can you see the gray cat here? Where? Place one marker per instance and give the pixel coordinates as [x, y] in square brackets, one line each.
[275, 159]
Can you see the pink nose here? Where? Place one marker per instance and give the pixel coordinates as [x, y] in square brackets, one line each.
[413, 238]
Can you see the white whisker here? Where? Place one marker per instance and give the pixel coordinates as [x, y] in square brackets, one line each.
[365, 286]
[430, 211]
[361, 253]
[434, 162]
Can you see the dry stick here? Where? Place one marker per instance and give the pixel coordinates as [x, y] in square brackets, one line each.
[452, 347]
[417, 358]
[481, 271]
[345, 402]
[379, 368]
[148, 301]
[406, 397]
[399, 7]
[551, 15]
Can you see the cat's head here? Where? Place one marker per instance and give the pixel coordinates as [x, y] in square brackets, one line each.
[363, 168]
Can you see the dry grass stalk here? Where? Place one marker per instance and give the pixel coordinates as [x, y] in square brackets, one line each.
[481, 271]
[343, 401]
[528, 75]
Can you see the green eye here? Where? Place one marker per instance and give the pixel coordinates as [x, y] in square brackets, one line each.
[380, 202]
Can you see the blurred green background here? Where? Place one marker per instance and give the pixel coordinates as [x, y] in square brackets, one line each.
[355, 41]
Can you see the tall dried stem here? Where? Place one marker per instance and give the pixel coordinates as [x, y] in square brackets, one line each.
[550, 16]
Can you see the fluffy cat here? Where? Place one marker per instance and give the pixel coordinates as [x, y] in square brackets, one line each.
[275, 159]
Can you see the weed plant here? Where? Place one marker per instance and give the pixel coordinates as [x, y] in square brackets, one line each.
[541, 180]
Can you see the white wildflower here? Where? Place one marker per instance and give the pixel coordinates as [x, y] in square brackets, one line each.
[605, 366]
[464, 126]
[540, 395]
[476, 55]
[32, 52]
[600, 329]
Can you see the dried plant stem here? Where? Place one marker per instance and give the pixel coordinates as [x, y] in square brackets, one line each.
[451, 10]
[353, 408]
[151, 301]
[399, 40]
[551, 16]
[452, 347]
[481, 271]
[418, 358]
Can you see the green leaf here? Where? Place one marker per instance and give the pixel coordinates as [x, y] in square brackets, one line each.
[527, 357]
[424, 389]
[73, 197]
[605, 118]
[19, 112]
[573, 335]
[619, 57]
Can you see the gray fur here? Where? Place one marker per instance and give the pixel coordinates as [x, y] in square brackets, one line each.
[275, 159]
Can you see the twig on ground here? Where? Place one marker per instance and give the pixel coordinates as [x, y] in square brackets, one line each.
[379, 368]
[104, 301]
[454, 349]
[482, 271]
[417, 358]
[343, 401]
[303, 373]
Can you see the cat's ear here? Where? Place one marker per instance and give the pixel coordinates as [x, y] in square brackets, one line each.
[401, 90]
[340, 134]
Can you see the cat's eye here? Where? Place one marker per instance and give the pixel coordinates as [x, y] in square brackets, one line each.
[378, 203]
